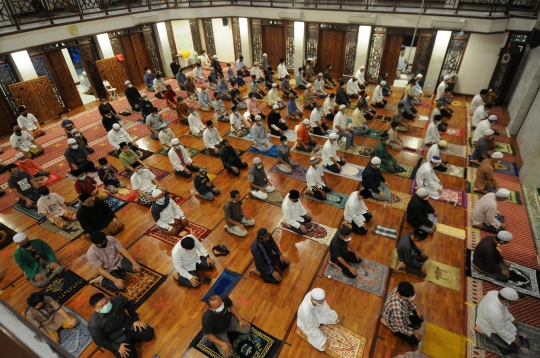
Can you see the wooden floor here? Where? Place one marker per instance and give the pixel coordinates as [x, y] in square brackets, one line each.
[271, 307]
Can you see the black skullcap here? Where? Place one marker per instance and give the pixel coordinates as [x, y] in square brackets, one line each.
[294, 194]
[366, 193]
[209, 123]
[154, 109]
[344, 231]
[77, 172]
[282, 138]
[262, 233]
[420, 234]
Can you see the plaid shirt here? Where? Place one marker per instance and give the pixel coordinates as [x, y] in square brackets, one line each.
[396, 313]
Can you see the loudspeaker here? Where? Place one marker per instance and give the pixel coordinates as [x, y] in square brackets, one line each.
[225, 21]
[534, 38]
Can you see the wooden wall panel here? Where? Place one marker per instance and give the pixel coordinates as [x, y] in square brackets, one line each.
[135, 71]
[141, 53]
[64, 80]
[331, 51]
[391, 55]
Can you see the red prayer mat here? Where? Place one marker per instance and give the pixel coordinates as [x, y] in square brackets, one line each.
[198, 231]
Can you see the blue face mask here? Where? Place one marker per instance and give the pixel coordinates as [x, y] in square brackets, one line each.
[160, 201]
[47, 196]
[74, 147]
[107, 308]
[83, 177]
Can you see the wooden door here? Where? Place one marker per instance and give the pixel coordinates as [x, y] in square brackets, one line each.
[274, 44]
[7, 116]
[141, 52]
[111, 69]
[390, 57]
[135, 72]
[89, 58]
[331, 51]
[63, 79]
[37, 96]
[507, 65]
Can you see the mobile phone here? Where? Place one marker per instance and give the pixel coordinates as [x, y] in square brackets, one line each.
[207, 280]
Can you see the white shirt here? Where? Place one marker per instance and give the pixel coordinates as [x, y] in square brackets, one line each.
[328, 106]
[211, 138]
[352, 87]
[85, 83]
[377, 95]
[204, 60]
[159, 85]
[432, 133]
[476, 102]
[441, 88]
[493, 317]
[479, 115]
[175, 159]
[319, 85]
[314, 177]
[187, 260]
[168, 214]
[426, 178]
[195, 123]
[239, 65]
[329, 151]
[436, 111]
[481, 129]
[310, 318]
[340, 120]
[273, 96]
[485, 211]
[51, 205]
[315, 118]
[282, 70]
[293, 212]
[165, 136]
[28, 122]
[24, 142]
[198, 73]
[117, 137]
[354, 210]
[236, 121]
[255, 70]
[433, 151]
[143, 181]
[359, 75]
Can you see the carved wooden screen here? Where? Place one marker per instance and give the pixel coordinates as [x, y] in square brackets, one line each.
[111, 70]
[209, 36]
[350, 50]
[42, 69]
[131, 61]
[62, 76]
[312, 40]
[194, 29]
[454, 54]
[289, 47]
[273, 44]
[150, 42]
[141, 53]
[331, 51]
[7, 77]
[115, 44]
[38, 96]
[89, 58]
[237, 39]
[392, 50]
[256, 40]
[378, 40]
[424, 49]
[170, 37]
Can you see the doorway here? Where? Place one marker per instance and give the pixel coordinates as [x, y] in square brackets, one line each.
[331, 51]
[79, 75]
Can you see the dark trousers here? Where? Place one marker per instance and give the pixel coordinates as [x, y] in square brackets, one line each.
[86, 167]
[359, 229]
[416, 321]
[350, 257]
[192, 167]
[278, 266]
[333, 168]
[318, 195]
[236, 162]
[263, 116]
[33, 195]
[380, 104]
[302, 87]
[368, 116]
[440, 168]
[306, 221]
[505, 348]
[320, 130]
[133, 336]
[125, 266]
[307, 147]
[442, 127]
[182, 281]
[446, 113]
[330, 116]
[407, 115]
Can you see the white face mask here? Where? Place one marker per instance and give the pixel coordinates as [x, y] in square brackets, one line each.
[130, 85]
[178, 146]
[221, 308]
[77, 134]
[160, 201]
[426, 198]
[140, 170]
[348, 240]
[412, 298]
[149, 71]
[286, 142]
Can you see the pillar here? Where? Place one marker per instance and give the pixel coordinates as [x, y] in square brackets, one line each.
[245, 38]
[362, 47]
[104, 46]
[299, 44]
[163, 46]
[437, 59]
[23, 65]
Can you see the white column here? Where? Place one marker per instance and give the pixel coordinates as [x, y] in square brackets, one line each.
[362, 47]
[69, 64]
[202, 38]
[182, 36]
[223, 39]
[299, 41]
[437, 59]
[245, 39]
[104, 45]
[23, 65]
[163, 47]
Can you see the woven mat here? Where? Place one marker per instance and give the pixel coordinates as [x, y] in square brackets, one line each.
[343, 342]
[321, 233]
[399, 200]
[351, 171]
[332, 198]
[438, 342]
[299, 172]
[200, 232]
[359, 150]
[224, 284]
[316, 152]
[63, 286]
[371, 276]
[177, 199]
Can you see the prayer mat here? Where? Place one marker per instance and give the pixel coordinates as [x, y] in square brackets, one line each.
[425, 105]
[30, 212]
[125, 194]
[409, 173]
[6, 236]
[271, 153]
[533, 339]
[344, 343]
[177, 199]
[452, 170]
[459, 104]
[138, 286]
[198, 231]
[326, 134]
[48, 180]
[159, 173]
[499, 147]
[522, 279]
[317, 232]
[248, 136]
[289, 133]
[206, 151]
[451, 149]
[299, 172]
[532, 203]
[224, 284]
[192, 152]
[316, 152]
[76, 339]
[163, 151]
[390, 106]
[449, 195]
[142, 153]
[359, 150]
[275, 198]
[394, 263]
[451, 231]
[372, 133]
[439, 342]
[72, 230]
[332, 198]
[396, 95]
[515, 197]
[351, 171]
[399, 200]
[115, 204]
[63, 286]
[453, 131]
[412, 150]
[371, 276]
[383, 118]
[257, 344]
[388, 232]
[506, 168]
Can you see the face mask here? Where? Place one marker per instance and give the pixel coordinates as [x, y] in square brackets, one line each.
[286, 142]
[116, 130]
[160, 201]
[16, 173]
[220, 308]
[140, 171]
[146, 99]
[25, 114]
[83, 178]
[107, 308]
[148, 71]
[259, 166]
[348, 240]
[412, 298]
[498, 161]
[64, 118]
[103, 245]
[77, 134]
[18, 132]
[252, 98]
[130, 85]
[75, 147]
[47, 196]
[377, 166]
[426, 198]
[178, 146]
[105, 167]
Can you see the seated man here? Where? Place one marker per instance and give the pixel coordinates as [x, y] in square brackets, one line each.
[276, 124]
[128, 157]
[29, 166]
[401, 315]
[485, 214]
[426, 178]
[28, 122]
[115, 325]
[420, 213]
[353, 88]
[221, 317]
[341, 254]
[212, 139]
[87, 184]
[377, 99]
[223, 89]
[167, 214]
[269, 261]
[494, 320]
[328, 81]
[25, 185]
[182, 111]
[260, 136]
[145, 105]
[181, 161]
[483, 127]
[144, 182]
[254, 88]
[81, 139]
[191, 90]
[153, 122]
[295, 214]
[329, 106]
[48, 315]
[388, 163]
[356, 212]
[204, 99]
[398, 118]
[481, 113]
[253, 107]
[259, 183]
[239, 127]
[481, 149]
[111, 261]
[287, 90]
[203, 185]
[24, 142]
[78, 157]
[195, 124]
[309, 102]
[95, 215]
[304, 141]
[359, 125]
[285, 162]
[53, 207]
[373, 180]
[410, 257]
[273, 97]
[107, 174]
[432, 133]
[342, 128]
[316, 185]
[318, 124]
[36, 259]
[118, 135]
[319, 86]
[488, 259]
[219, 108]
[485, 175]
[330, 159]
[393, 139]
[434, 151]
[132, 95]
[236, 218]
[189, 256]
[109, 118]
[312, 313]
[230, 159]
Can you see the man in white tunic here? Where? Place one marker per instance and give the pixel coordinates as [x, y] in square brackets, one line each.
[312, 313]
[144, 182]
[481, 113]
[418, 87]
[483, 127]
[434, 151]
[315, 183]
[167, 214]
[330, 159]
[119, 135]
[28, 122]
[273, 97]
[282, 69]
[212, 139]
[360, 76]
[426, 178]
[342, 128]
[352, 88]
[432, 133]
[486, 215]
[295, 214]
[356, 212]
[478, 101]
[442, 86]
[494, 320]
[195, 124]
[24, 142]
[189, 256]
[378, 100]
[180, 159]
[260, 136]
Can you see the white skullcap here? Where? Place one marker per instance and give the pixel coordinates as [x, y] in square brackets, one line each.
[255, 64]
[489, 132]
[71, 141]
[504, 236]
[84, 73]
[509, 293]
[383, 83]
[143, 95]
[257, 160]
[19, 237]
[436, 159]
[342, 106]
[333, 136]
[215, 56]
[375, 160]
[446, 78]
[320, 74]
[313, 160]
[156, 193]
[422, 192]
[274, 84]
[317, 294]
[492, 118]
[310, 59]
[127, 82]
[442, 143]
[503, 193]
[308, 85]
[362, 67]
[211, 68]
[19, 155]
[257, 117]
[419, 75]
[264, 55]
[175, 141]
[306, 121]
[497, 155]
[116, 126]
[275, 106]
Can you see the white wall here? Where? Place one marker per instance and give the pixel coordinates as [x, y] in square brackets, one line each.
[105, 45]
[245, 38]
[362, 47]
[69, 63]
[223, 38]
[529, 146]
[437, 59]
[163, 47]
[299, 29]
[23, 65]
[479, 62]
[409, 54]
[182, 36]
[202, 38]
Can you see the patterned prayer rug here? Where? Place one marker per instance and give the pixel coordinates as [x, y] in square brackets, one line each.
[247, 137]
[371, 276]
[425, 105]
[351, 171]
[499, 147]
[126, 194]
[514, 198]
[76, 339]
[449, 195]
[289, 133]
[399, 200]
[159, 173]
[30, 212]
[359, 150]
[198, 231]
[271, 153]
[192, 152]
[388, 232]
[454, 170]
[275, 198]
[163, 151]
[390, 106]
[298, 172]
[142, 153]
[6, 236]
[48, 180]
[316, 152]
[459, 104]
[138, 286]
[317, 232]
[453, 131]
[224, 284]
[532, 203]
[72, 230]
[383, 118]
[114, 203]
[344, 343]
[63, 286]
[451, 149]
[439, 342]
[177, 199]
[503, 167]
[409, 173]
[257, 344]
[332, 198]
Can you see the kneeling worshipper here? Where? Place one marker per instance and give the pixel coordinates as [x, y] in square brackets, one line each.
[180, 159]
[410, 257]
[330, 159]
[259, 183]
[239, 126]
[95, 215]
[488, 259]
[373, 180]
[269, 261]
[188, 257]
[29, 166]
[341, 254]
[107, 174]
[167, 214]
[24, 142]
[115, 325]
[276, 124]
[203, 185]
[481, 149]
[78, 157]
[316, 185]
[295, 214]
[195, 124]
[230, 159]
[388, 163]
[260, 136]
[111, 261]
[118, 135]
[485, 175]
[236, 218]
[483, 127]
[53, 207]
[420, 213]
[28, 122]
[313, 312]
[426, 178]
[285, 162]
[432, 133]
[36, 259]
[86, 184]
[303, 139]
[401, 315]
[128, 157]
[494, 320]
[356, 212]
[212, 139]
[48, 315]
[317, 123]
[485, 214]
[25, 185]
[144, 182]
[434, 151]
[377, 98]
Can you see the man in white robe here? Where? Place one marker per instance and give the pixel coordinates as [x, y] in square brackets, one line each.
[483, 127]
[377, 99]
[195, 124]
[312, 313]
[353, 88]
[119, 135]
[356, 212]
[282, 69]
[434, 151]
[486, 214]
[478, 101]
[315, 183]
[481, 113]
[180, 159]
[360, 76]
[167, 214]
[432, 133]
[295, 214]
[426, 178]
[212, 139]
[442, 86]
